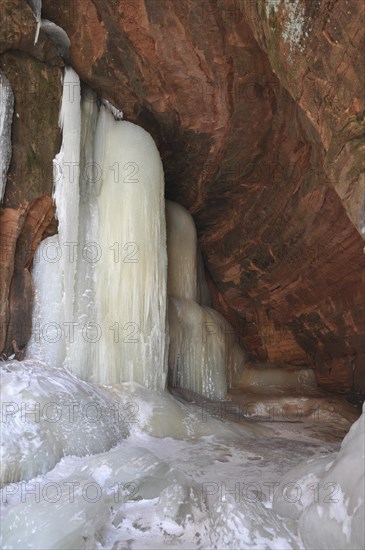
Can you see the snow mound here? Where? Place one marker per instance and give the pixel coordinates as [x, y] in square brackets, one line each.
[47, 414]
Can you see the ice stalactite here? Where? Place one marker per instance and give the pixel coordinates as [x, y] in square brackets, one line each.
[203, 351]
[117, 114]
[131, 277]
[6, 116]
[36, 6]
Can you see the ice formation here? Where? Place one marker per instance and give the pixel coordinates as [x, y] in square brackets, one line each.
[66, 188]
[56, 258]
[6, 116]
[100, 311]
[131, 276]
[181, 252]
[47, 342]
[47, 414]
[85, 499]
[117, 114]
[332, 494]
[203, 350]
[36, 6]
[109, 281]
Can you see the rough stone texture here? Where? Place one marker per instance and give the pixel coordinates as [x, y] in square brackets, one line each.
[27, 212]
[316, 48]
[259, 127]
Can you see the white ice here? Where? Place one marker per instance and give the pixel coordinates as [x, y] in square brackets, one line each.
[47, 342]
[6, 117]
[181, 252]
[36, 6]
[331, 491]
[203, 352]
[131, 275]
[47, 414]
[180, 479]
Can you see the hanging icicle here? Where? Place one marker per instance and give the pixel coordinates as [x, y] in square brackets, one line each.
[6, 116]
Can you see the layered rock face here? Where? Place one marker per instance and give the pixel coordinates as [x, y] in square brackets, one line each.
[257, 108]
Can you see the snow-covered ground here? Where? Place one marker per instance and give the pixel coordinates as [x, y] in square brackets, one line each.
[176, 477]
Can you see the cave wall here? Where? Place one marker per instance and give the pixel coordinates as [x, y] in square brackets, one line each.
[27, 213]
[258, 112]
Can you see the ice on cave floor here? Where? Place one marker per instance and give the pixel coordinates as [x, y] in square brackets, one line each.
[263, 376]
[289, 394]
[203, 349]
[46, 414]
[332, 493]
[179, 479]
[159, 414]
[6, 117]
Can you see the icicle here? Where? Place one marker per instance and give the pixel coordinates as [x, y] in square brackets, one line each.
[113, 273]
[6, 116]
[36, 6]
[117, 114]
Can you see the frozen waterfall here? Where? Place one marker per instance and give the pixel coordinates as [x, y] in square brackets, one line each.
[104, 317]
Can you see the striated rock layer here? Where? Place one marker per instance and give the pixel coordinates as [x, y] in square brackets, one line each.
[257, 108]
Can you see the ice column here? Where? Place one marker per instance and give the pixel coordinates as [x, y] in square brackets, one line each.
[203, 350]
[6, 115]
[56, 259]
[80, 358]
[131, 276]
[182, 252]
